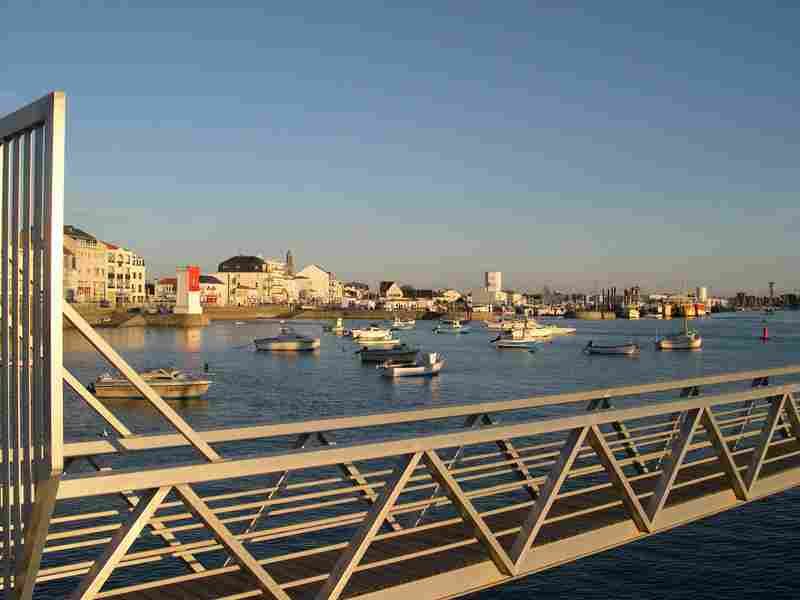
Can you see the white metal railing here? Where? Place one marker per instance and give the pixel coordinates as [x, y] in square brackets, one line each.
[31, 422]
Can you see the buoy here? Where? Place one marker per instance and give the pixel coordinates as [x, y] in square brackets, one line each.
[765, 334]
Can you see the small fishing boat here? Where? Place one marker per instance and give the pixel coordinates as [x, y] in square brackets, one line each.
[373, 332]
[612, 350]
[451, 326]
[430, 365]
[287, 340]
[554, 329]
[399, 324]
[688, 339]
[167, 383]
[401, 353]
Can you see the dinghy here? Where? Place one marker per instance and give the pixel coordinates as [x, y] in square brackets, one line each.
[430, 365]
[612, 350]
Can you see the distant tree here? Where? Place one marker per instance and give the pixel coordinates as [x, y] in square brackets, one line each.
[408, 290]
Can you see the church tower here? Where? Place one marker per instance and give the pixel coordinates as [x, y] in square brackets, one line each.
[289, 263]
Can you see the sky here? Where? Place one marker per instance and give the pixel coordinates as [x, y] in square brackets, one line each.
[573, 145]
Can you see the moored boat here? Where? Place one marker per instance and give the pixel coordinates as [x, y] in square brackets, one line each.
[688, 339]
[167, 383]
[287, 340]
[612, 350]
[431, 364]
[401, 353]
[451, 326]
[390, 343]
[525, 339]
[373, 332]
[399, 324]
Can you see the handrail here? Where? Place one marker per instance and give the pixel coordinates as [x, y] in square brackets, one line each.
[136, 479]
[155, 441]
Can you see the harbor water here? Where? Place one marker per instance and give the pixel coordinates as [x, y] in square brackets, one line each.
[748, 552]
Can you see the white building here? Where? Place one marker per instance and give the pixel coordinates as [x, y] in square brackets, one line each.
[315, 284]
[126, 276]
[166, 290]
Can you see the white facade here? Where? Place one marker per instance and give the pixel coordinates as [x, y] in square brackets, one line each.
[493, 281]
[126, 276]
[315, 284]
[702, 294]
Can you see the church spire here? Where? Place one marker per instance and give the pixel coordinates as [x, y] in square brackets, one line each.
[289, 263]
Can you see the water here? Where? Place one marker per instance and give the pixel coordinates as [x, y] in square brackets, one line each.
[738, 554]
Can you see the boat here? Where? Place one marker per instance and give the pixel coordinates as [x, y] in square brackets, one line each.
[390, 343]
[553, 329]
[401, 353]
[451, 326]
[287, 340]
[167, 383]
[525, 339]
[612, 350]
[373, 332]
[337, 328]
[430, 365]
[688, 339]
[399, 324]
[501, 325]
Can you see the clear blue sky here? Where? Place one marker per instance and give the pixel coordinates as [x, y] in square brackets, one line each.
[619, 142]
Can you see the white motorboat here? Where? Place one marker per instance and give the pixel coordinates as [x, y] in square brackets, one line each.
[451, 326]
[543, 330]
[612, 350]
[287, 340]
[431, 364]
[167, 383]
[399, 324]
[501, 325]
[688, 339]
[525, 339]
[373, 332]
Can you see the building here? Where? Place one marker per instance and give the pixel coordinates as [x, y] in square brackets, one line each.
[390, 290]
[71, 275]
[89, 261]
[166, 290]
[212, 291]
[493, 281]
[356, 290]
[316, 285]
[268, 281]
[127, 275]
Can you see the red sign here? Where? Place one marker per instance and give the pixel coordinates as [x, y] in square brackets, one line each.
[193, 274]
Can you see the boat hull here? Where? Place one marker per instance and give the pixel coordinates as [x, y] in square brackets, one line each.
[623, 350]
[514, 344]
[414, 371]
[451, 330]
[667, 344]
[173, 390]
[375, 356]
